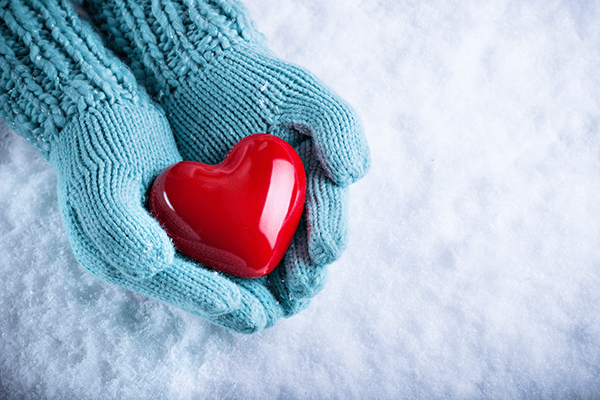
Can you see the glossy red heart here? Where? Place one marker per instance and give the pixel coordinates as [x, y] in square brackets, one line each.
[238, 216]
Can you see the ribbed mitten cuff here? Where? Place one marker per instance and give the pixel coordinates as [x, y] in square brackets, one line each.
[165, 40]
[52, 67]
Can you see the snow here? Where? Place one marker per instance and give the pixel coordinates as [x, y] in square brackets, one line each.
[472, 269]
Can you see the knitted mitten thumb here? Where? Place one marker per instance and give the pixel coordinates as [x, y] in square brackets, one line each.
[106, 142]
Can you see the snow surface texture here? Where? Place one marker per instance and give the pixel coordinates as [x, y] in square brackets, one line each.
[473, 265]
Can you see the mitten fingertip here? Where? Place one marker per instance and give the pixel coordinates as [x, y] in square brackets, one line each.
[345, 156]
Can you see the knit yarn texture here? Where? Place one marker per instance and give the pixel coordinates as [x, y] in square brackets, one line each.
[82, 107]
[209, 68]
[52, 67]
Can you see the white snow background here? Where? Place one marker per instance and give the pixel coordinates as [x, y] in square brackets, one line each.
[473, 264]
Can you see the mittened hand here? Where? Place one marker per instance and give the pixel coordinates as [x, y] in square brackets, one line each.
[105, 161]
[246, 90]
[106, 141]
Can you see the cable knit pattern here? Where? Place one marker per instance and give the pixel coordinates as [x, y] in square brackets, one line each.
[209, 68]
[52, 68]
[74, 100]
[164, 41]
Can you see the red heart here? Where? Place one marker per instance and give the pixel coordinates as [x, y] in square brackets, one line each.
[238, 216]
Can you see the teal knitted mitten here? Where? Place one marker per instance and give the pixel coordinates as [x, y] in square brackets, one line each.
[106, 142]
[206, 64]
